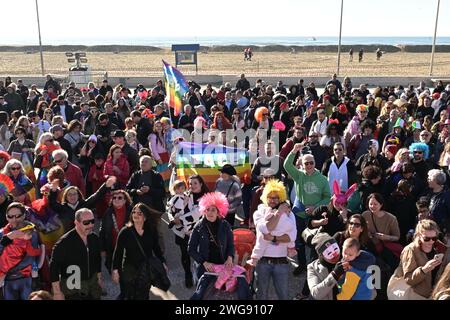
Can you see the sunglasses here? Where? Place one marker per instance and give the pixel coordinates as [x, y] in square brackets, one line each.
[58, 161]
[88, 222]
[265, 114]
[118, 198]
[427, 239]
[50, 140]
[15, 168]
[309, 163]
[12, 216]
[418, 152]
[355, 224]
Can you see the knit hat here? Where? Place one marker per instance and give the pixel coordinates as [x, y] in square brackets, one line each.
[322, 241]
[392, 148]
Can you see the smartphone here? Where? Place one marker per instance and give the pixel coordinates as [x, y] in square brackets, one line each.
[439, 257]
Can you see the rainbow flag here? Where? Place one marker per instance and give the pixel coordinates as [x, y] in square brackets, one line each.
[29, 172]
[206, 160]
[176, 87]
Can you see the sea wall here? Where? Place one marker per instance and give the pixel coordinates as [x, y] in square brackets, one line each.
[217, 80]
[229, 48]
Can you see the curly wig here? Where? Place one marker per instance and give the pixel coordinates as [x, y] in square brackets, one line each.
[215, 199]
[362, 107]
[259, 113]
[419, 146]
[276, 186]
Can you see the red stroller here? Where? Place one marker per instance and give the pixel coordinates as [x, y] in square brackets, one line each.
[244, 241]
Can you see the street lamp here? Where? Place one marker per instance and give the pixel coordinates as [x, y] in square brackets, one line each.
[40, 42]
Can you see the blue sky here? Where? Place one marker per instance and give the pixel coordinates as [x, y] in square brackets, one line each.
[100, 19]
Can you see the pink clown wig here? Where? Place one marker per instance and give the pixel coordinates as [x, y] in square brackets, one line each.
[215, 199]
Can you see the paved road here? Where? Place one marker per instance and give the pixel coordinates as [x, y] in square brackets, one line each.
[176, 274]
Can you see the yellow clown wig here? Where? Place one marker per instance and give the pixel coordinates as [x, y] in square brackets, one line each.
[274, 186]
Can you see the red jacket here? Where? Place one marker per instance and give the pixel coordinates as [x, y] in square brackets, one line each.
[75, 177]
[96, 183]
[123, 165]
[15, 252]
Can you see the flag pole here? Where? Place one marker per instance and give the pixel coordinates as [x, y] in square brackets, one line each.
[434, 39]
[340, 36]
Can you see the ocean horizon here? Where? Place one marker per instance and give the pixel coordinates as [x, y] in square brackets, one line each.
[244, 41]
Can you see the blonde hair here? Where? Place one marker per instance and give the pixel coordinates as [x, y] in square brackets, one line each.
[175, 185]
[443, 154]
[442, 288]
[425, 225]
[399, 154]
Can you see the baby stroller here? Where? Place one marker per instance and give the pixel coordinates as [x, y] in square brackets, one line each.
[244, 241]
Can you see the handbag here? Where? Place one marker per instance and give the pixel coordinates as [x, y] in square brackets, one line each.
[394, 247]
[398, 289]
[152, 271]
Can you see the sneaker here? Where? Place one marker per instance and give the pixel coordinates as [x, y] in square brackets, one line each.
[188, 281]
[299, 270]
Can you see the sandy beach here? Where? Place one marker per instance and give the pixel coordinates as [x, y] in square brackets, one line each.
[230, 63]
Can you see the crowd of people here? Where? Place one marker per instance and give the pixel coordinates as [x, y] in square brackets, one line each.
[351, 184]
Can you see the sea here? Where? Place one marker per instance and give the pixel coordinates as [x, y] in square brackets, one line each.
[244, 41]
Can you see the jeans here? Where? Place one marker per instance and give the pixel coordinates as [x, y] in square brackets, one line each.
[299, 243]
[18, 289]
[280, 274]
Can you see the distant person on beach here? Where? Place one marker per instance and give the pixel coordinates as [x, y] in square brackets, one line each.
[361, 54]
[379, 53]
[350, 54]
[248, 54]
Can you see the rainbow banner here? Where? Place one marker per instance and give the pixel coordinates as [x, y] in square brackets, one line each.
[206, 160]
[176, 87]
[29, 172]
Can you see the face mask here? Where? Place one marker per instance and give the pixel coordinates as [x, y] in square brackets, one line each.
[331, 252]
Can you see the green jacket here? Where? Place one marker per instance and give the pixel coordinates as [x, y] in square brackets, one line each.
[310, 190]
